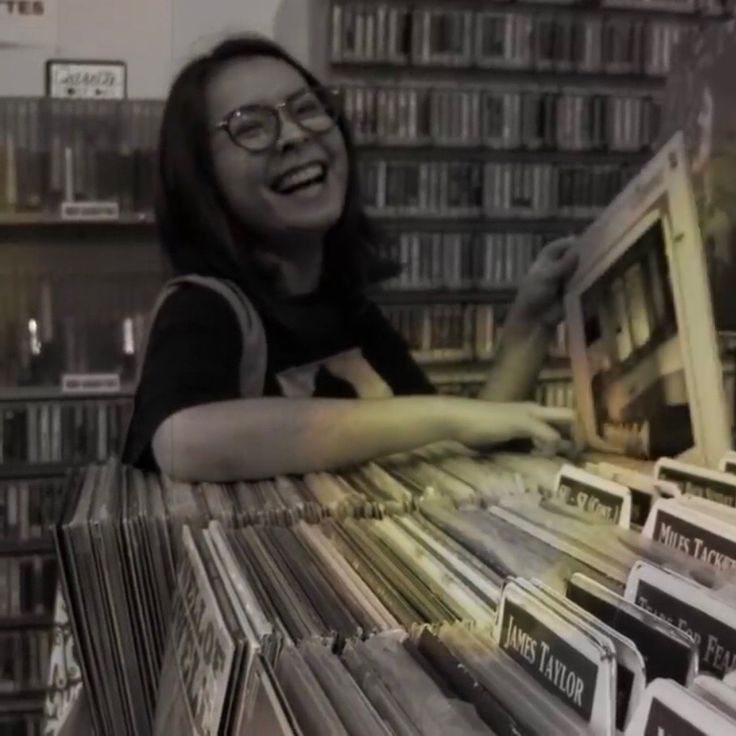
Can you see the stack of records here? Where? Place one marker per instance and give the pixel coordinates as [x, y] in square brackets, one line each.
[228, 670]
[410, 552]
[463, 477]
[120, 541]
[588, 662]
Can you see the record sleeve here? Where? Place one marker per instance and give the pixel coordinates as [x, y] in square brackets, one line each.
[644, 356]
[201, 651]
[671, 709]
[668, 652]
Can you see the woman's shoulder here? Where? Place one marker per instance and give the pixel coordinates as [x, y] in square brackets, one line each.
[192, 303]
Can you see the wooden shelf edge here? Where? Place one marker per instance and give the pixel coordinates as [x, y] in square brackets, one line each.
[443, 296]
[487, 153]
[54, 393]
[26, 471]
[23, 695]
[26, 219]
[596, 7]
[26, 622]
[11, 705]
[22, 547]
[476, 371]
[447, 73]
[482, 223]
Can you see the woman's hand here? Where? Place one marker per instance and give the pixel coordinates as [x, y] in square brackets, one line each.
[539, 298]
[478, 423]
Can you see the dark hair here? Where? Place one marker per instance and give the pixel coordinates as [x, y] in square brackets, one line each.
[197, 230]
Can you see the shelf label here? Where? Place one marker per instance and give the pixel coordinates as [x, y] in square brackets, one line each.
[90, 383]
[710, 622]
[90, 211]
[588, 492]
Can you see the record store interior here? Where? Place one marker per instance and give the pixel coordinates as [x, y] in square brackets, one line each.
[367, 368]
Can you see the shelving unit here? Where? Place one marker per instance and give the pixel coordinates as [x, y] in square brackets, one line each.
[44, 435]
[483, 131]
[33, 477]
[74, 297]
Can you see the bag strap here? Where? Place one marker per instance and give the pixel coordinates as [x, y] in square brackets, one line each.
[254, 347]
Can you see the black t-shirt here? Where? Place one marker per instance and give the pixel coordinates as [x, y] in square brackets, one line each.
[315, 347]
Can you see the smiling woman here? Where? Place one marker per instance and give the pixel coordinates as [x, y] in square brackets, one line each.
[265, 355]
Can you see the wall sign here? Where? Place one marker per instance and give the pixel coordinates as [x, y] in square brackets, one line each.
[96, 80]
[28, 22]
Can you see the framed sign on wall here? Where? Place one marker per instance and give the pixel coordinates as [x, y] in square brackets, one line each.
[86, 79]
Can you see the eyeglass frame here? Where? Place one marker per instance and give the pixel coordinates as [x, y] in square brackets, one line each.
[332, 108]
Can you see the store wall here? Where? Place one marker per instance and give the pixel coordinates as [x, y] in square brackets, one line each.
[301, 27]
[198, 24]
[153, 37]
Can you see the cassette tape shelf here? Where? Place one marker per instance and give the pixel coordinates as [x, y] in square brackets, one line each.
[71, 324]
[482, 134]
[42, 435]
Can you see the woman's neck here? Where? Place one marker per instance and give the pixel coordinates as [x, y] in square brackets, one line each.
[296, 270]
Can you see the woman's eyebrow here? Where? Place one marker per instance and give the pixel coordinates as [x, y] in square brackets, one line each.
[280, 98]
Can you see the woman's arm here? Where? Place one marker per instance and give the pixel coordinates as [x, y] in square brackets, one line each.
[518, 361]
[258, 438]
[531, 324]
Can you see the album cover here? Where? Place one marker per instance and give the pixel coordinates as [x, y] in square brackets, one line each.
[200, 652]
[643, 348]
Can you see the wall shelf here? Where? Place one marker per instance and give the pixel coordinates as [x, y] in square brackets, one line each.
[26, 471]
[13, 705]
[387, 73]
[474, 152]
[41, 219]
[476, 372]
[493, 295]
[54, 393]
[598, 8]
[480, 223]
[13, 548]
[27, 621]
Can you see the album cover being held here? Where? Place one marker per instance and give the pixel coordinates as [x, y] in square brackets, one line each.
[643, 347]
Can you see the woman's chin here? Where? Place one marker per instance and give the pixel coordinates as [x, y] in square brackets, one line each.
[315, 216]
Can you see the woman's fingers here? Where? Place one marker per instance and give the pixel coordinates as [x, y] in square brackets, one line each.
[546, 449]
[565, 264]
[552, 414]
[559, 257]
[541, 433]
[559, 249]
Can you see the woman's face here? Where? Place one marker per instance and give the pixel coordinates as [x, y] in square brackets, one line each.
[295, 187]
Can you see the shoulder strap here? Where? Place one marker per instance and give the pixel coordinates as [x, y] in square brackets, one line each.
[254, 347]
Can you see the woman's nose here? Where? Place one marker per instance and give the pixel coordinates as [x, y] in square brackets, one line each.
[291, 134]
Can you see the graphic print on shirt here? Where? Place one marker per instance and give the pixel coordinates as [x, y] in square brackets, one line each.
[350, 366]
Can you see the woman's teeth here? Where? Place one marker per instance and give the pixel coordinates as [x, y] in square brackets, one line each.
[300, 178]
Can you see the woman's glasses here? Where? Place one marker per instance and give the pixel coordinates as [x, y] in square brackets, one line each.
[256, 128]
